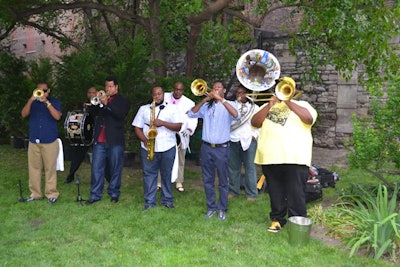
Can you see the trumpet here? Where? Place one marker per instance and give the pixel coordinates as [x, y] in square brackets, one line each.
[199, 87]
[96, 100]
[38, 93]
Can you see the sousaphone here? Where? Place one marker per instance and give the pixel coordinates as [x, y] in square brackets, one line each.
[256, 70]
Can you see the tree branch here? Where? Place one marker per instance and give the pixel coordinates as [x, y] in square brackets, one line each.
[7, 32]
[28, 12]
[207, 13]
[240, 16]
[53, 33]
[379, 176]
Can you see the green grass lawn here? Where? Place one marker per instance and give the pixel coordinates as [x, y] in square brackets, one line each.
[106, 234]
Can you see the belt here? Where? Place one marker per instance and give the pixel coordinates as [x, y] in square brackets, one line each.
[226, 144]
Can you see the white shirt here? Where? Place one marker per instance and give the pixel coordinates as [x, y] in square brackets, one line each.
[183, 104]
[245, 133]
[166, 138]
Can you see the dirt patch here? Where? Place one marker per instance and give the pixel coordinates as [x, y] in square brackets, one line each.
[321, 233]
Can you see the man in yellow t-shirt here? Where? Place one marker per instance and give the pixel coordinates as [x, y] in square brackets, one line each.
[284, 151]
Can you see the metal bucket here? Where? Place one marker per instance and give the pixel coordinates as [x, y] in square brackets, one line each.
[299, 230]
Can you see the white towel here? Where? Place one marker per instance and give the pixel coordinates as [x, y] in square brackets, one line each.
[174, 174]
[60, 157]
[185, 139]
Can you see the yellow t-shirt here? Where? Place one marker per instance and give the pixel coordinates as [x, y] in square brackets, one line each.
[284, 138]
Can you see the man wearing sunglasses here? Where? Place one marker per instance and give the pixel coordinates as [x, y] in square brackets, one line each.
[44, 112]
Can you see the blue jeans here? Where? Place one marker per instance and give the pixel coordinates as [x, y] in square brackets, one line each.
[162, 162]
[215, 159]
[113, 155]
[237, 158]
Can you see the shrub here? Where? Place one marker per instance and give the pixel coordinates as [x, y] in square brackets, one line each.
[368, 220]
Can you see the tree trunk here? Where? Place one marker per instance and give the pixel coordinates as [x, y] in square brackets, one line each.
[158, 57]
[195, 23]
[191, 49]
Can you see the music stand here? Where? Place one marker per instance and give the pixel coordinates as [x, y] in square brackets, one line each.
[79, 198]
[21, 198]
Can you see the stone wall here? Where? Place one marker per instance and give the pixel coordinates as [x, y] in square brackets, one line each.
[335, 99]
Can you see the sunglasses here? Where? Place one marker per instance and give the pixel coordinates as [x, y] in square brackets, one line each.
[45, 90]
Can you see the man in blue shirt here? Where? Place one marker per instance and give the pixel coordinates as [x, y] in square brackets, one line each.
[44, 112]
[217, 114]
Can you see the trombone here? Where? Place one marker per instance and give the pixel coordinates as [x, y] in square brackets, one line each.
[254, 96]
[284, 90]
[199, 87]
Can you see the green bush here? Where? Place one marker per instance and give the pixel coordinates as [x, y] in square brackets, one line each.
[368, 219]
[16, 89]
[375, 139]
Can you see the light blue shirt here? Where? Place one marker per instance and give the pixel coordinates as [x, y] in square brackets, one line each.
[216, 122]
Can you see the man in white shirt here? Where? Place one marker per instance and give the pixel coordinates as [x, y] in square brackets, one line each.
[167, 122]
[243, 148]
[189, 125]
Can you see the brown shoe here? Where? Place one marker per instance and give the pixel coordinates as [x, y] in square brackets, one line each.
[230, 196]
[250, 199]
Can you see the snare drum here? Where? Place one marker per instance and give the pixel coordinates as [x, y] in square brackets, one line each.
[78, 127]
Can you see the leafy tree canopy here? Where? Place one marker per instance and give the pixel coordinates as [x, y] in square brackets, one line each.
[341, 33]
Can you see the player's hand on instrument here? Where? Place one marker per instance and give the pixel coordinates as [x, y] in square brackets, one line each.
[185, 132]
[274, 100]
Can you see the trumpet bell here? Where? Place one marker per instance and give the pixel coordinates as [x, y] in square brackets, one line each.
[38, 93]
[257, 70]
[95, 101]
[199, 87]
[285, 89]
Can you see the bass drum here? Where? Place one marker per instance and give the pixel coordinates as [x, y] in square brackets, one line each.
[78, 127]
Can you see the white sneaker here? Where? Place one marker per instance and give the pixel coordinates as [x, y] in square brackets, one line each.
[179, 187]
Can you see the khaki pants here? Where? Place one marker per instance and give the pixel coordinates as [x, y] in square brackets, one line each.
[43, 157]
[181, 165]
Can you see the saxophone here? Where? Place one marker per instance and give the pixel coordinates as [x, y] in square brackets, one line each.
[151, 133]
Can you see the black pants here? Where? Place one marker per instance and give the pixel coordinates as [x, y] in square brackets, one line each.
[77, 157]
[78, 154]
[286, 189]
